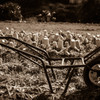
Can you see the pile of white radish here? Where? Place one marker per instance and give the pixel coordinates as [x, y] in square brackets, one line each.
[61, 42]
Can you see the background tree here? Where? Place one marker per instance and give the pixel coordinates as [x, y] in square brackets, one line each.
[90, 11]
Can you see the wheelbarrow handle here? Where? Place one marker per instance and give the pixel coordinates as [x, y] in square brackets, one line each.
[37, 48]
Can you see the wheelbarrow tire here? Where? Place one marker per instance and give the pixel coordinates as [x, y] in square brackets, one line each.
[86, 76]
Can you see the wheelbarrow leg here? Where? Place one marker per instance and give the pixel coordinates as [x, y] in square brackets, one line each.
[50, 86]
[68, 82]
[53, 74]
[68, 73]
[72, 61]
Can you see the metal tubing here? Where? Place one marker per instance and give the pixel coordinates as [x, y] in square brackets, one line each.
[68, 82]
[50, 86]
[69, 70]
[68, 73]
[96, 50]
[27, 54]
[37, 52]
[37, 48]
[30, 59]
[83, 61]
[91, 54]
[62, 67]
[66, 58]
[52, 70]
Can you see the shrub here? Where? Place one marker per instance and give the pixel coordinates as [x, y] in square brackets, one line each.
[10, 11]
[71, 15]
[60, 12]
[52, 7]
[65, 13]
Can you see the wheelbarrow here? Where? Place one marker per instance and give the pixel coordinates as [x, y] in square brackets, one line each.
[90, 62]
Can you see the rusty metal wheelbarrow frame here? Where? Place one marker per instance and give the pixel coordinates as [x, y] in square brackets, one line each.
[44, 55]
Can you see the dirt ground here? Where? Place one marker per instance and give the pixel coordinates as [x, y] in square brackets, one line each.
[25, 81]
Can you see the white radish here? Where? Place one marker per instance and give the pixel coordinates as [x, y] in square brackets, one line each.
[35, 37]
[78, 44]
[54, 44]
[98, 42]
[0, 61]
[60, 44]
[67, 45]
[72, 43]
[45, 41]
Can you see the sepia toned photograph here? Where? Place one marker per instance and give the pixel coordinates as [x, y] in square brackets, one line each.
[49, 49]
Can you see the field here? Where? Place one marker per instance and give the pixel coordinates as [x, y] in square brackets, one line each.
[35, 26]
[22, 80]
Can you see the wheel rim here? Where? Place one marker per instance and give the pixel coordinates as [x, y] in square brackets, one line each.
[93, 76]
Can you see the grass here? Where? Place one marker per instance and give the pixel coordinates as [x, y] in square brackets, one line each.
[51, 26]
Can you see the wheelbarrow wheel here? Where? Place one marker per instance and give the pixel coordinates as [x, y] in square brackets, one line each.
[91, 78]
